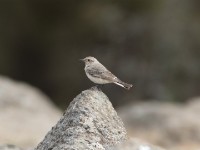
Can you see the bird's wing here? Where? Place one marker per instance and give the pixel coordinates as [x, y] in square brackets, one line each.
[102, 73]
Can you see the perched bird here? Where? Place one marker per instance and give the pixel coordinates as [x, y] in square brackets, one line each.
[99, 74]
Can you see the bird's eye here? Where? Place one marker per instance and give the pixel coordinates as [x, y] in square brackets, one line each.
[88, 60]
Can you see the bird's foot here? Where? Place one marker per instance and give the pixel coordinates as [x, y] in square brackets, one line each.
[99, 87]
[95, 88]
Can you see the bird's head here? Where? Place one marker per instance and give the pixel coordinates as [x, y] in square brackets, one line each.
[89, 60]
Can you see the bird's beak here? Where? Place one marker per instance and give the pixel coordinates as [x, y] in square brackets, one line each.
[82, 60]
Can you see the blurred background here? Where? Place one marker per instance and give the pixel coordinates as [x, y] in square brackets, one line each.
[155, 45]
[152, 44]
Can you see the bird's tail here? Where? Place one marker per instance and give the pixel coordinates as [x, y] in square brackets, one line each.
[123, 84]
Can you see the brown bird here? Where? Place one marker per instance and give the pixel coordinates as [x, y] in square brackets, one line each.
[99, 74]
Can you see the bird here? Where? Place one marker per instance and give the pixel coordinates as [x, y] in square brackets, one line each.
[99, 74]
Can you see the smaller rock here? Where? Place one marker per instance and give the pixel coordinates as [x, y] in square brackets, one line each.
[26, 114]
[173, 126]
[135, 144]
[9, 147]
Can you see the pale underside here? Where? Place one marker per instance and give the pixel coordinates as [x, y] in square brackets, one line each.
[98, 80]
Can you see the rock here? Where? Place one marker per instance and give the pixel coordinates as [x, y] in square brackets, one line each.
[89, 123]
[26, 114]
[12, 147]
[173, 126]
[136, 144]
[9, 147]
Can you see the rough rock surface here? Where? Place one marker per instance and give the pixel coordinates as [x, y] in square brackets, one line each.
[26, 114]
[89, 123]
[173, 126]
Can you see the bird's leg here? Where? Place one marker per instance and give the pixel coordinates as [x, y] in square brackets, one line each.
[99, 86]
